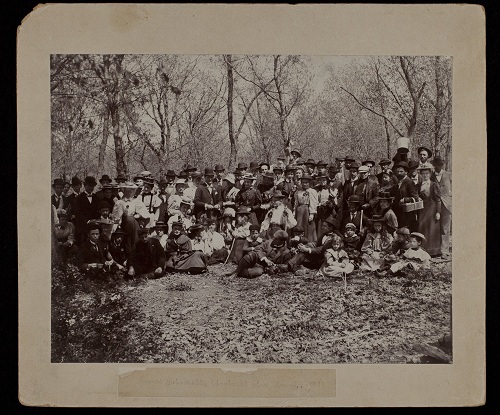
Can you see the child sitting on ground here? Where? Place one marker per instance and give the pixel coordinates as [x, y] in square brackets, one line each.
[253, 241]
[399, 245]
[415, 257]
[336, 263]
[351, 242]
[297, 237]
[377, 244]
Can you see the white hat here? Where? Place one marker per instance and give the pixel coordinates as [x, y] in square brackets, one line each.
[363, 169]
[128, 185]
[180, 181]
[230, 178]
[229, 212]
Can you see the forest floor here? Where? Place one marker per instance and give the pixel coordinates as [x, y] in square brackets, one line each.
[211, 318]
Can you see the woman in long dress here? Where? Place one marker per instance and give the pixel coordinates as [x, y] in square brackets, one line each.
[376, 246]
[429, 216]
[180, 254]
[305, 207]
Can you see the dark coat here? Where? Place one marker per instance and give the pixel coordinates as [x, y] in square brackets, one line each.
[147, 256]
[346, 218]
[120, 253]
[88, 255]
[405, 190]
[56, 203]
[368, 190]
[202, 196]
[84, 211]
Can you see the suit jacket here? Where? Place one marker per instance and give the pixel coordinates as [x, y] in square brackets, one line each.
[346, 218]
[148, 256]
[58, 204]
[444, 187]
[84, 210]
[405, 189]
[89, 255]
[202, 196]
[120, 253]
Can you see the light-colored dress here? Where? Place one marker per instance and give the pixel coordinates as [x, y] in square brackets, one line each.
[420, 260]
[306, 203]
[332, 266]
[380, 244]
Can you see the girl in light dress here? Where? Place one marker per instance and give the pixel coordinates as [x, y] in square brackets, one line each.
[336, 263]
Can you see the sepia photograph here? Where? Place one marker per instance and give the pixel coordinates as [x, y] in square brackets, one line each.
[263, 208]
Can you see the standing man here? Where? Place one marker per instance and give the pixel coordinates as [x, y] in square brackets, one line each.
[405, 192]
[58, 199]
[208, 197]
[294, 156]
[170, 177]
[219, 173]
[86, 208]
[385, 165]
[443, 179]
[366, 189]
[424, 155]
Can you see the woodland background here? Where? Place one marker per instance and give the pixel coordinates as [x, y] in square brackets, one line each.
[127, 113]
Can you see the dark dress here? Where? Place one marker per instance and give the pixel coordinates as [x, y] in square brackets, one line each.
[182, 258]
[250, 198]
[427, 224]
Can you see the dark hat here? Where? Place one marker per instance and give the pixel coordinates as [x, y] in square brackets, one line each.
[279, 238]
[138, 176]
[119, 231]
[321, 163]
[170, 173]
[75, 181]
[107, 186]
[162, 181]
[277, 168]
[385, 196]
[331, 221]
[322, 176]
[438, 161]
[349, 158]
[354, 166]
[368, 161]
[306, 177]
[149, 180]
[350, 225]
[209, 171]
[195, 227]
[249, 176]
[310, 162]
[242, 166]
[280, 158]
[403, 231]
[178, 223]
[159, 225]
[402, 150]
[268, 175]
[62, 215]
[121, 177]
[195, 174]
[402, 164]
[90, 180]
[377, 218]
[103, 205]
[355, 199]
[298, 229]
[263, 163]
[426, 149]
[243, 210]
[185, 201]
[299, 161]
[142, 231]
[92, 226]
[254, 228]
[290, 167]
[296, 151]
[58, 182]
[104, 178]
[189, 168]
[334, 168]
[253, 165]
[278, 195]
[183, 174]
[384, 161]
[412, 164]
[219, 167]
[400, 157]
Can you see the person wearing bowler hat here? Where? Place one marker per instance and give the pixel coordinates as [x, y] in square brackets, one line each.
[272, 257]
[287, 186]
[93, 255]
[294, 156]
[321, 168]
[128, 210]
[59, 201]
[345, 166]
[119, 250]
[424, 156]
[147, 259]
[85, 208]
[311, 167]
[160, 232]
[208, 197]
[377, 245]
[406, 192]
[253, 168]
[414, 258]
[106, 194]
[278, 216]
[65, 235]
[413, 172]
[120, 178]
[430, 215]
[219, 174]
[180, 254]
[443, 179]
[249, 197]
[349, 185]
[305, 207]
[353, 215]
[105, 179]
[242, 168]
[266, 189]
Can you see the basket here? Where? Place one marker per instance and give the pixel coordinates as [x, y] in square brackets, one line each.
[417, 204]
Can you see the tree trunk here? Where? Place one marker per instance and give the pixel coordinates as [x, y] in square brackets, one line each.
[121, 166]
[282, 112]
[438, 117]
[230, 85]
[104, 143]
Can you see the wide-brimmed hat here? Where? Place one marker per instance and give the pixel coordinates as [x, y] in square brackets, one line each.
[195, 174]
[229, 212]
[403, 231]
[437, 161]
[189, 168]
[107, 186]
[299, 161]
[243, 210]
[178, 223]
[142, 231]
[418, 235]
[145, 173]
[264, 163]
[268, 175]
[384, 161]
[170, 173]
[253, 165]
[196, 227]
[278, 195]
[413, 164]
[306, 177]
[242, 166]
[75, 181]
[290, 167]
[321, 163]
[58, 182]
[103, 205]
[90, 180]
[105, 178]
[276, 167]
[129, 185]
[149, 181]
[385, 196]
[310, 162]
[279, 238]
[331, 221]
[254, 228]
[402, 164]
[355, 199]
[160, 225]
[425, 166]
[354, 166]
[180, 181]
[296, 151]
[219, 167]
[350, 225]
[138, 177]
[209, 171]
[230, 178]
[363, 169]
[377, 219]
[119, 231]
[368, 161]
[249, 176]
[426, 149]
[349, 159]
[321, 176]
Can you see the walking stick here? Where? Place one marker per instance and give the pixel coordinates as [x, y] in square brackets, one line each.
[230, 250]
[361, 221]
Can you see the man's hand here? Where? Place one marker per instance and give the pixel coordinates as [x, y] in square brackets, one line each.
[365, 206]
[303, 248]
[131, 271]
[438, 216]
[311, 217]
[158, 270]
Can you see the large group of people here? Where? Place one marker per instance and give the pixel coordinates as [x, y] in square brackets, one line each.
[300, 217]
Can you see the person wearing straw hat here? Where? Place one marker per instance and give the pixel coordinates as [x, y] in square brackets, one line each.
[414, 258]
[127, 210]
[377, 245]
[85, 208]
[147, 259]
[229, 190]
[443, 179]
[305, 207]
[249, 197]
[430, 215]
[279, 216]
[294, 156]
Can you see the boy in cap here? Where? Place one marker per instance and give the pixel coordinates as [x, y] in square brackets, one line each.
[352, 242]
[414, 258]
[147, 258]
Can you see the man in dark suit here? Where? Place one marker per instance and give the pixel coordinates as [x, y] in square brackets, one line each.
[86, 208]
[76, 186]
[208, 197]
[93, 254]
[147, 258]
[367, 189]
[353, 214]
[405, 192]
[58, 199]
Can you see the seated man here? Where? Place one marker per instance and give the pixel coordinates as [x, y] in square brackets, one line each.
[65, 234]
[279, 216]
[147, 258]
[272, 256]
[93, 253]
[119, 250]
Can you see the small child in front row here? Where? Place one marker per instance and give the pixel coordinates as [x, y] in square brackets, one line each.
[336, 263]
[414, 257]
[351, 242]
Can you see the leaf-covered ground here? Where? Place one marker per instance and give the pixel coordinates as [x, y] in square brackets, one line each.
[211, 318]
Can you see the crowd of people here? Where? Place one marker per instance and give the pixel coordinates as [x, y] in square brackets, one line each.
[300, 217]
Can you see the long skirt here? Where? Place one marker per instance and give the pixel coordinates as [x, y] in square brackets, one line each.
[302, 216]
[369, 263]
[218, 256]
[131, 227]
[430, 228]
[195, 262]
[336, 270]
[237, 252]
